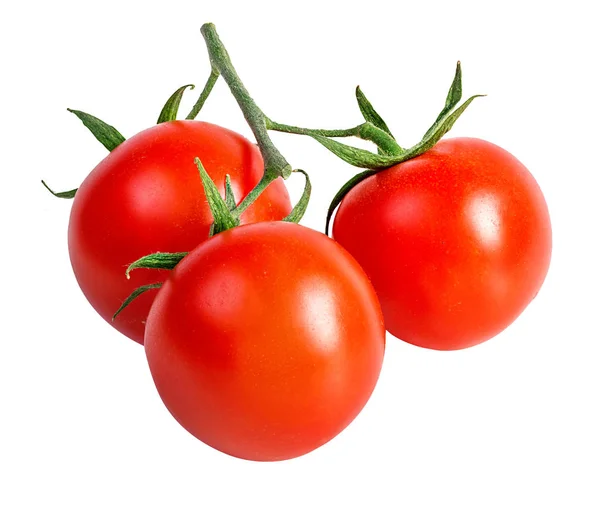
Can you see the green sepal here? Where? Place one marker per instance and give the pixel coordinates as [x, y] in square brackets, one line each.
[369, 113]
[352, 155]
[452, 99]
[440, 128]
[134, 295]
[345, 189]
[68, 195]
[229, 196]
[386, 144]
[300, 208]
[223, 219]
[166, 261]
[171, 107]
[104, 133]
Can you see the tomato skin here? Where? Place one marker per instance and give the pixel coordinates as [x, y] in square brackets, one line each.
[147, 196]
[266, 341]
[456, 242]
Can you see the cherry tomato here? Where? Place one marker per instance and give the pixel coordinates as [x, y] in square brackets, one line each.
[146, 196]
[266, 341]
[456, 242]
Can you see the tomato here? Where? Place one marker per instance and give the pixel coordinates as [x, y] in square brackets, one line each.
[456, 242]
[146, 196]
[266, 341]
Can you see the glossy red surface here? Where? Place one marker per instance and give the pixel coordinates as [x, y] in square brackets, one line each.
[267, 341]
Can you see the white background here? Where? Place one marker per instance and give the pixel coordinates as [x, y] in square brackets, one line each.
[512, 423]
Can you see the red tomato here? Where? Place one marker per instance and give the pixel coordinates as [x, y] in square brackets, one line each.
[147, 196]
[456, 242]
[266, 341]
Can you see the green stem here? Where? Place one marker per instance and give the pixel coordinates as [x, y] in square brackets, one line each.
[329, 133]
[212, 79]
[275, 163]
[365, 131]
[263, 183]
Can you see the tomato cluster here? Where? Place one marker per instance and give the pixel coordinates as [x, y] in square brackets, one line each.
[265, 338]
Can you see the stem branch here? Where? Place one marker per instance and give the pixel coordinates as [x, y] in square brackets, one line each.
[210, 83]
[329, 133]
[365, 131]
[263, 183]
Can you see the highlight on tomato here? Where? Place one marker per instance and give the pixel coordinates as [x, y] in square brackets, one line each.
[455, 235]
[457, 242]
[272, 354]
[145, 196]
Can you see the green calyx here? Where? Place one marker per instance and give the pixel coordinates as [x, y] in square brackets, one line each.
[376, 130]
[389, 153]
[226, 214]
